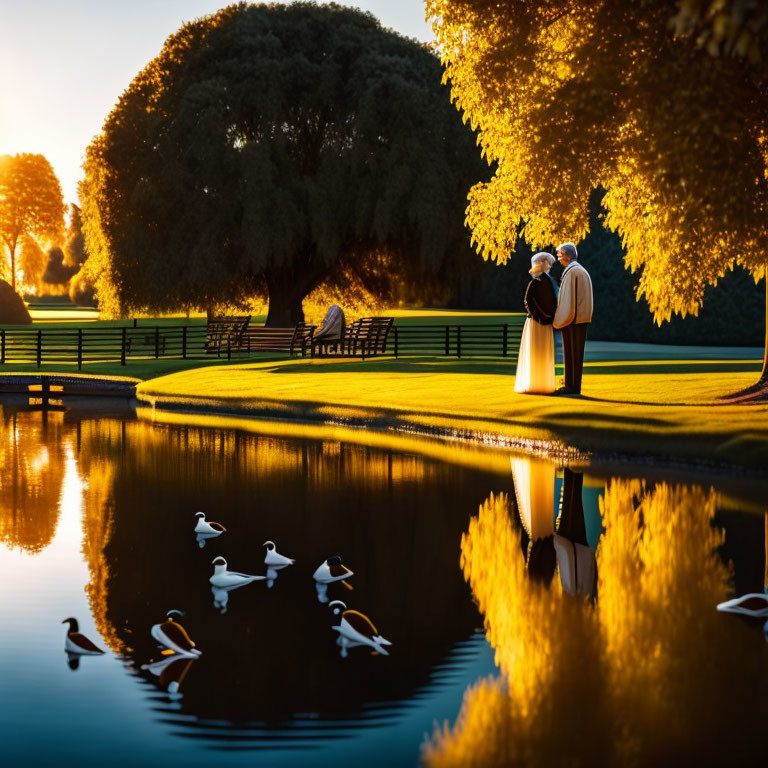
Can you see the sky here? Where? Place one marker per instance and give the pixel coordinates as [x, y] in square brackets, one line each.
[64, 64]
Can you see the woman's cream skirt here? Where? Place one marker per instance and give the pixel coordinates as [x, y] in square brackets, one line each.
[536, 360]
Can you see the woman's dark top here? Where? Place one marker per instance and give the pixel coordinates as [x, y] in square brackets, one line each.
[541, 300]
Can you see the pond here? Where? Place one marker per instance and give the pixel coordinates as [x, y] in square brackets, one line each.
[537, 615]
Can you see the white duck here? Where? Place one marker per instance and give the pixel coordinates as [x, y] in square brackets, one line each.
[208, 527]
[356, 629]
[77, 644]
[328, 572]
[174, 637]
[224, 579]
[275, 562]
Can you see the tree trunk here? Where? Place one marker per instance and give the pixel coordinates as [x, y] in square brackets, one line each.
[287, 289]
[764, 375]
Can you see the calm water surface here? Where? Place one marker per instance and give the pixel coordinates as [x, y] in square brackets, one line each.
[538, 616]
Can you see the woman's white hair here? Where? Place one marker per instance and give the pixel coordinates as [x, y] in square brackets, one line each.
[543, 256]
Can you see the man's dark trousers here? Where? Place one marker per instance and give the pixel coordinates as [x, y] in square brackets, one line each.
[574, 339]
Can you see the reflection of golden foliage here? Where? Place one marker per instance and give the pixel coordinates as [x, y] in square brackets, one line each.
[97, 529]
[240, 454]
[545, 644]
[32, 456]
[627, 683]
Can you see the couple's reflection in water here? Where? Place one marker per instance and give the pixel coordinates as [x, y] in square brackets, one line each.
[622, 658]
[550, 543]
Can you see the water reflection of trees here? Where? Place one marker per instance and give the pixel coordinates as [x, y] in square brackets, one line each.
[394, 518]
[651, 675]
[32, 464]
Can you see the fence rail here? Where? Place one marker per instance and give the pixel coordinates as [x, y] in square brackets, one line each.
[121, 345]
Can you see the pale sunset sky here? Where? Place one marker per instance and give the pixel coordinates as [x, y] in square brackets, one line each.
[64, 64]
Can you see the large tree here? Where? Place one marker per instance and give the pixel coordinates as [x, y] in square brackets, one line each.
[662, 102]
[264, 147]
[31, 204]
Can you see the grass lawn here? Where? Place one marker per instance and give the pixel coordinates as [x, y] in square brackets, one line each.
[638, 399]
[661, 408]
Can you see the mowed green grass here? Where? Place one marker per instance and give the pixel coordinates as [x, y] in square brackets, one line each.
[663, 410]
[630, 405]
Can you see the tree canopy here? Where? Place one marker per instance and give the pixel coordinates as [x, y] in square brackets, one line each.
[267, 149]
[662, 103]
[31, 205]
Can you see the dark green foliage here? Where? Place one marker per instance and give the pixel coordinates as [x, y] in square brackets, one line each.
[57, 273]
[264, 146]
[74, 249]
[13, 310]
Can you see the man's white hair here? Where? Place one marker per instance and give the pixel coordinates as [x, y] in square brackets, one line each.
[569, 249]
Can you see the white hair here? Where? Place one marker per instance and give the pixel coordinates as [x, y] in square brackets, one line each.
[543, 256]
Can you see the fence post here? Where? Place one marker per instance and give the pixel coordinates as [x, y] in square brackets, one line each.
[122, 348]
[458, 341]
[79, 349]
[397, 340]
[229, 347]
[157, 342]
[184, 342]
[504, 340]
[135, 322]
[2, 346]
[39, 348]
[447, 340]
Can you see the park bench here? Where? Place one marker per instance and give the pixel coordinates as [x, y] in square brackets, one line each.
[366, 337]
[259, 338]
[225, 332]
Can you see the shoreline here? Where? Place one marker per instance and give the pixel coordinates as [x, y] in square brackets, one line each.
[598, 447]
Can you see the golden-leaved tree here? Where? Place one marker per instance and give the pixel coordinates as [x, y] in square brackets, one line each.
[31, 205]
[663, 103]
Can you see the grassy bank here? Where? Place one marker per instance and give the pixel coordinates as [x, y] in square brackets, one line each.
[637, 408]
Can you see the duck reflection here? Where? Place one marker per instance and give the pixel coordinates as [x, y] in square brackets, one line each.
[648, 673]
[170, 672]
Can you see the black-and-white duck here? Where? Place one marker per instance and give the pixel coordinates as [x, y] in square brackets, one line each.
[752, 604]
[329, 572]
[275, 562]
[171, 635]
[76, 643]
[225, 579]
[356, 629]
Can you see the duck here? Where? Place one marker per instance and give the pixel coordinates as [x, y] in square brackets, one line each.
[329, 571]
[223, 579]
[173, 636]
[752, 604]
[356, 629]
[275, 562]
[77, 644]
[208, 527]
[170, 670]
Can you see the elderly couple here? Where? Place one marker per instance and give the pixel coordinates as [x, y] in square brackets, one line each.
[569, 310]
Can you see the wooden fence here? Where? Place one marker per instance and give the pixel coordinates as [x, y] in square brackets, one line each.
[121, 345]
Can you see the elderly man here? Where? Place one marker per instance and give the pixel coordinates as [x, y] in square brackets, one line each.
[573, 315]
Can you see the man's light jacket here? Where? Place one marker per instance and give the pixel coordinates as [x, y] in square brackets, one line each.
[574, 302]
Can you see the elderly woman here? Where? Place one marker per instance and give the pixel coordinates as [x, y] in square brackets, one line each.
[536, 360]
